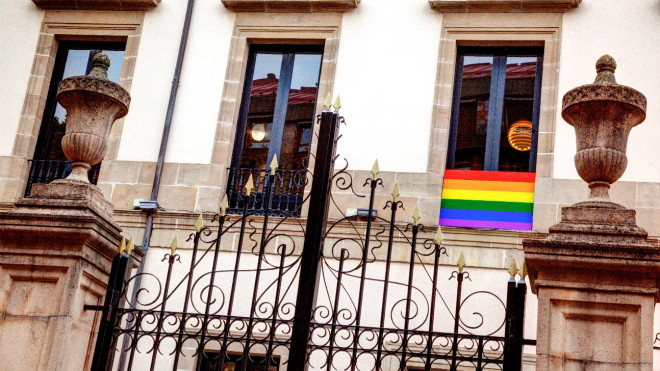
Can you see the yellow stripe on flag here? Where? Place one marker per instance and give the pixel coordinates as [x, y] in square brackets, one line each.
[461, 194]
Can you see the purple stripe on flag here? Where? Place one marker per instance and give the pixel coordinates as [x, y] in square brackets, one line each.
[486, 224]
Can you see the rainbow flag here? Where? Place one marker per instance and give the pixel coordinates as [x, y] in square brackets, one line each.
[487, 199]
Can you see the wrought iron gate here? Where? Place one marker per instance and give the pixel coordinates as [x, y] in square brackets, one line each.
[258, 292]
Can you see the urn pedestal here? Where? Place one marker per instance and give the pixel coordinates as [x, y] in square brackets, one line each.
[56, 246]
[596, 276]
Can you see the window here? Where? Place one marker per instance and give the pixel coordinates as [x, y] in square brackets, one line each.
[276, 121]
[495, 109]
[73, 58]
[491, 158]
[234, 362]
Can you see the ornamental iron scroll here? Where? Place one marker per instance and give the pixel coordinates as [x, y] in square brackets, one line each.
[381, 298]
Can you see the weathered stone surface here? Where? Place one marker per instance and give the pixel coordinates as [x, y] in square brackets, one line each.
[297, 6]
[97, 4]
[482, 6]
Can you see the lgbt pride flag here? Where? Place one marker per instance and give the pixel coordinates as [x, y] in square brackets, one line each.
[487, 199]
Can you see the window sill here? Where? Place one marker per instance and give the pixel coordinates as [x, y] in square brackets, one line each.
[503, 6]
[96, 4]
[291, 6]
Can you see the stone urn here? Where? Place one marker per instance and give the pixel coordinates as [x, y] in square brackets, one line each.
[602, 114]
[92, 104]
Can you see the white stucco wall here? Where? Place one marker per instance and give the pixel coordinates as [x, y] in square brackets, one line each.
[20, 22]
[386, 72]
[198, 100]
[627, 30]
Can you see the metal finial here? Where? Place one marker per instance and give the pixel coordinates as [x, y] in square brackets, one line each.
[375, 170]
[416, 215]
[224, 205]
[461, 263]
[328, 101]
[174, 245]
[101, 63]
[438, 236]
[513, 268]
[200, 224]
[605, 67]
[273, 165]
[523, 274]
[395, 192]
[337, 103]
[122, 246]
[249, 186]
[130, 247]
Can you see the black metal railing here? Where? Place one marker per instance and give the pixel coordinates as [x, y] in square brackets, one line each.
[287, 191]
[45, 171]
[262, 293]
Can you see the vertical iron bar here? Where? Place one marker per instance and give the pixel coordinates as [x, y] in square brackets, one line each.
[102, 353]
[335, 308]
[255, 292]
[230, 305]
[205, 323]
[406, 320]
[480, 352]
[313, 244]
[159, 323]
[429, 341]
[136, 332]
[365, 252]
[182, 327]
[510, 324]
[457, 319]
[388, 263]
[276, 309]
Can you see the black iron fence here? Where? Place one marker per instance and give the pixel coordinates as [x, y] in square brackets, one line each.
[45, 171]
[253, 292]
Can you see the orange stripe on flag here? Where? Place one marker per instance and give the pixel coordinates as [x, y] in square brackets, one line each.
[484, 185]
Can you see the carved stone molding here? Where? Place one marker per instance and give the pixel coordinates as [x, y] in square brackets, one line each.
[290, 6]
[97, 4]
[502, 6]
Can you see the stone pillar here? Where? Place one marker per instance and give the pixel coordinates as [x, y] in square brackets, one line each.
[595, 274]
[56, 247]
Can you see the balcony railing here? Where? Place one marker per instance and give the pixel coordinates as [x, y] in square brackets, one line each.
[287, 191]
[45, 171]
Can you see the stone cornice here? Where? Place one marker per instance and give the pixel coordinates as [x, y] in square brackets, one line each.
[502, 6]
[290, 6]
[97, 4]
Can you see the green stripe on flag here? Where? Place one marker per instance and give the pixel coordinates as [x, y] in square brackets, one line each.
[521, 207]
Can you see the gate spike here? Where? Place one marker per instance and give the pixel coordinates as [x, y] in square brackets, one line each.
[375, 170]
[438, 236]
[131, 246]
[200, 224]
[249, 186]
[224, 205]
[328, 101]
[461, 263]
[523, 274]
[513, 268]
[122, 245]
[273, 165]
[416, 214]
[174, 245]
[395, 192]
[337, 103]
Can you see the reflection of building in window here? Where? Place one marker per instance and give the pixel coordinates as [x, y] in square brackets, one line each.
[495, 89]
[211, 361]
[73, 58]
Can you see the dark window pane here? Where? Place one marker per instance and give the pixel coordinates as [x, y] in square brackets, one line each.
[300, 111]
[473, 113]
[265, 81]
[516, 134]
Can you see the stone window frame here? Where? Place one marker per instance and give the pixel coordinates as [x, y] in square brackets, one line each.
[280, 28]
[487, 6]
[73, 25]
[515, 29]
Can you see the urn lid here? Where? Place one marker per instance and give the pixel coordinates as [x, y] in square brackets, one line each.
[604, 89]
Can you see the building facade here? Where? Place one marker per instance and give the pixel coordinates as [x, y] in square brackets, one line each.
[444, 94]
